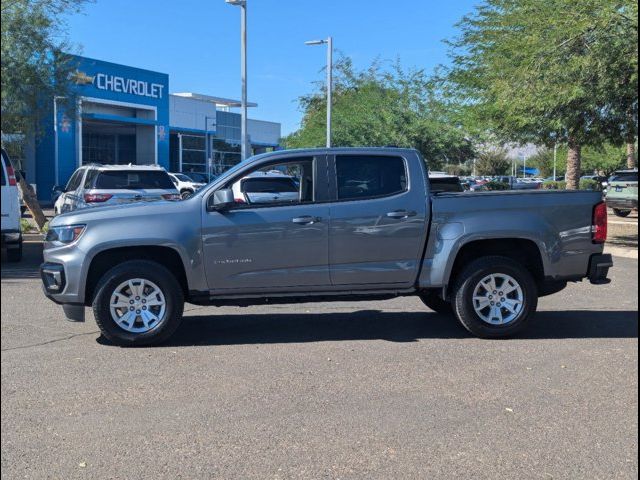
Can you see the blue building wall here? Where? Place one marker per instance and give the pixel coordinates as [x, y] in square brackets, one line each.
[108, 82]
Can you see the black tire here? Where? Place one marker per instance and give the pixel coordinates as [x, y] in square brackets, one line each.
[471, 276]
[621, 213]
[147, 270]
[435, 302]
[14, 255]
[184, 194]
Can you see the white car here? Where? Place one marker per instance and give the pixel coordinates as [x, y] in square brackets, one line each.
[266, 187]
[11, 233]
[185, 185]
[97, 185]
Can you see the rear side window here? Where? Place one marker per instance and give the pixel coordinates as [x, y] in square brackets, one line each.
[90, 178]
[74, 181]
[269, 185]
[625, 177]
[362, 176]
[127, 179]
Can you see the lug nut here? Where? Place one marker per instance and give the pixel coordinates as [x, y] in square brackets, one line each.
[137, 311]
[131, 302]
[144, 308]
[131, 308]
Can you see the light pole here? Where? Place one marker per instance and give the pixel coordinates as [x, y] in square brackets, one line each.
[329, 43]
[55, 135]
[555, 160]
[243, 73]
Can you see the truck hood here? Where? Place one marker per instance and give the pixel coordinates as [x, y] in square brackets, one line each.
[128, 210]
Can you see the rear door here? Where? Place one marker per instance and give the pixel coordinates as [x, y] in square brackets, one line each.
[379, 219]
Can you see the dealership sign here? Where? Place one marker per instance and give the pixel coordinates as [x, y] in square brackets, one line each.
[115, 83]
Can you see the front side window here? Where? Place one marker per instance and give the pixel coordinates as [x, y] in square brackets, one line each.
[134, 180]
[284, 183]
[370, 176]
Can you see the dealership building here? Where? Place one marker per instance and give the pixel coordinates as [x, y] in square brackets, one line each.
[126, 115]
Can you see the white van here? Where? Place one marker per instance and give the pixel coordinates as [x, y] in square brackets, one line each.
[11, 234]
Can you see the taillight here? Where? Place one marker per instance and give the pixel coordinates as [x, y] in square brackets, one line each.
[11, 176]
[599, 225]
[96, 197]
[172, 196]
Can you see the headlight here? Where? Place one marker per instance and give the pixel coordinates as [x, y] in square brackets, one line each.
[65, 235]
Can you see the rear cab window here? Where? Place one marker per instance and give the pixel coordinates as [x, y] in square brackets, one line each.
[133, 180]
[370, 176]
[624, 177]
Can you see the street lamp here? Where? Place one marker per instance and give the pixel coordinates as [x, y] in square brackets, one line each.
[243, 73]
[329, 43]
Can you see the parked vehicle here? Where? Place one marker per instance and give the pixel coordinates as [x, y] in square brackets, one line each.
[364, 225]
[599, 179]
[516, 183]
[185, 185]
[622, 192]
[266, 187]
[10, 229]
[99, 185]
[441, 183]
[199, 177]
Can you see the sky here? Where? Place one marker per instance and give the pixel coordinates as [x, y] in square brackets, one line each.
[197, 42]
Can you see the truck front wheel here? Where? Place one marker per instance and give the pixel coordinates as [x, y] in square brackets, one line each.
[494, 297]
[138, 302]
[436, 303]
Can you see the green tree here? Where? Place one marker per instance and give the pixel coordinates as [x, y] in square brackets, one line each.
[378, 107]
[492, 162]
[33, 67]
[544, 72]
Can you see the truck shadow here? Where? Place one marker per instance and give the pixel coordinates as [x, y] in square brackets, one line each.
[268, 328]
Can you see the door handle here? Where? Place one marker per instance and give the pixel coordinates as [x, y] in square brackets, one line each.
[401, 214]
[306, 220]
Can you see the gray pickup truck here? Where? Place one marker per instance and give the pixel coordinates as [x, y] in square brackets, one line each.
[364, 225]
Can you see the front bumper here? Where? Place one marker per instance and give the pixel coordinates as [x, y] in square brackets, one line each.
[599, 266]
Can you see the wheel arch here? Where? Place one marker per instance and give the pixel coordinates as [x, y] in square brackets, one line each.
[523, 250]
[110, 257]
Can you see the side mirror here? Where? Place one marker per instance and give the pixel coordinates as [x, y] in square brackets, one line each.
[223, 199]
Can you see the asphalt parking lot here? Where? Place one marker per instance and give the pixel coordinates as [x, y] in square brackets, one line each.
[368, 390]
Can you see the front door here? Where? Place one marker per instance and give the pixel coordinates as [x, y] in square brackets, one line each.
[378, 223]
[276, 236]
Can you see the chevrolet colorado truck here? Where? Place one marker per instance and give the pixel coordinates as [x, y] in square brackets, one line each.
[364, 225]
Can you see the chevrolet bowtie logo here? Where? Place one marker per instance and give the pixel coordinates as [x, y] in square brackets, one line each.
[81, 78]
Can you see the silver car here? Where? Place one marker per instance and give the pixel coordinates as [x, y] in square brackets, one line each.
[97, 185]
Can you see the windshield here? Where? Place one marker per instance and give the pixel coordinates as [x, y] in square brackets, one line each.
[127, 179]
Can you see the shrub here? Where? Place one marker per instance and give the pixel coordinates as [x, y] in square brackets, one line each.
[589, 184]
[496, 186]
[554, 185]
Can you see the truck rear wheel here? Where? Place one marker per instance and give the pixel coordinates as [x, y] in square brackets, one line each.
[495, 297]
[138, 302]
